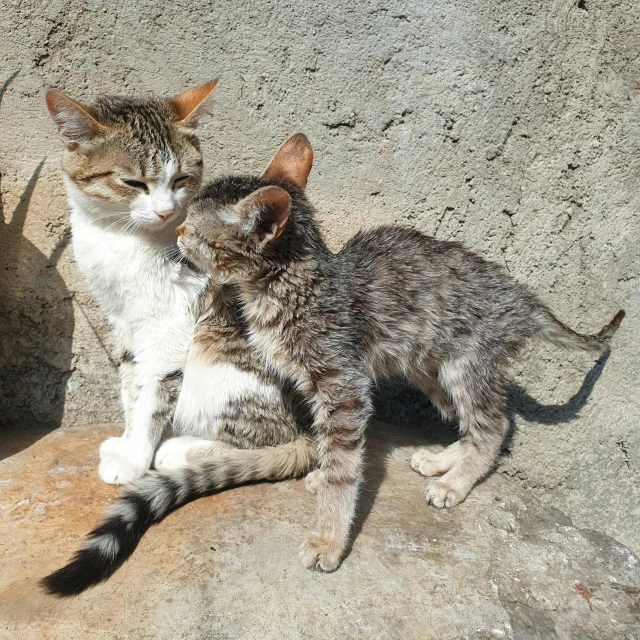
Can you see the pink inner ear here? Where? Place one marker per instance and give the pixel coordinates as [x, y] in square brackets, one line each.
[191, 104]
[292, 163]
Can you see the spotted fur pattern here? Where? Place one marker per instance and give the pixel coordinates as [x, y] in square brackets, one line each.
[392, 302]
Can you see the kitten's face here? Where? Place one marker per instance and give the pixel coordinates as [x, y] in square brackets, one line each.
[137, 158]
[234, 226]
[216, 236]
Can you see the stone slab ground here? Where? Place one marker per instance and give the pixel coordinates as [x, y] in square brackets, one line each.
[501, 565]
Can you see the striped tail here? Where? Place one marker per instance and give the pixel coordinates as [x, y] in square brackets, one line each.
[148, 500]
[559, 334]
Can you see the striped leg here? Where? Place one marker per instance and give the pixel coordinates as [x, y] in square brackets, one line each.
[340, 427]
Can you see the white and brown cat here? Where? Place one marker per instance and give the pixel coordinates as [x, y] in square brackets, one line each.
[130, 166]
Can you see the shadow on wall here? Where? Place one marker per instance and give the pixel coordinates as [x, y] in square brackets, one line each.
[413, 422]
[399, 403]
[36, 328]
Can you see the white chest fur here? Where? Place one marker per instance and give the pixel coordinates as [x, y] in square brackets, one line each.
[149, 299]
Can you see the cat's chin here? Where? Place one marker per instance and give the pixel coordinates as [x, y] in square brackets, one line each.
[157, 226]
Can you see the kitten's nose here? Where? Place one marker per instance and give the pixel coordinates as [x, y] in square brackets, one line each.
[164, 215]
[180, 229]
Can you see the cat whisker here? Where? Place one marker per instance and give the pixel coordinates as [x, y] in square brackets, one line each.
[110, 215]
[116, 222]
[126, 228]
[113, 224]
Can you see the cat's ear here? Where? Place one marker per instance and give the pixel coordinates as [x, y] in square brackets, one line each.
[265, 213]
[192, 104]
[75, 124]
[292, 163]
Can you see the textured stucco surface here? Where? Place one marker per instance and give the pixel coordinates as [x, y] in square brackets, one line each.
[513, 126]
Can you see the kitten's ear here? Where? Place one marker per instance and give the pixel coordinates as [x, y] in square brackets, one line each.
[75, 124]
[292, 163]
[265, 213]
[192, 104]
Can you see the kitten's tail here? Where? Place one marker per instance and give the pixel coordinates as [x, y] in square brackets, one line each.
[556, 332]
[148, 500]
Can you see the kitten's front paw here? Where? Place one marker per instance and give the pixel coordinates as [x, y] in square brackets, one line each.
[115, 469]
[442, 494]
[318, 552]
[313, 481]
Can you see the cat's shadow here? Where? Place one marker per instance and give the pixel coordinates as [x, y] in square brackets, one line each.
[415, 423]
[36, 327]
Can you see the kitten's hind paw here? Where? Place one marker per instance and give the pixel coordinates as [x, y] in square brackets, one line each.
[313, 481]
[427, 461]
[318, 552]
[443, 495]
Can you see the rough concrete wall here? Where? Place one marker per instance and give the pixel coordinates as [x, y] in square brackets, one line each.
[513, 126]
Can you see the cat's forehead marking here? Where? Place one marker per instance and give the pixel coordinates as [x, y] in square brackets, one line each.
[149, 126]
[160, 168]
[168, 171]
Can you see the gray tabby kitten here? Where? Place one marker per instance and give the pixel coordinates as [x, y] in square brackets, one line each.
[130, 168]
[392, 302]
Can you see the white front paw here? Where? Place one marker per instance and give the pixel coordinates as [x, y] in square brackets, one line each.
[110, 446]
[115, 469]
[121, 462]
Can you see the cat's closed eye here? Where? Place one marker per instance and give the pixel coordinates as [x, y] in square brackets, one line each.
[181, 181]
[137, 184]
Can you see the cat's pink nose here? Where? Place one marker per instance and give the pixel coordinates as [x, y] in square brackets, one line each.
[166, 214]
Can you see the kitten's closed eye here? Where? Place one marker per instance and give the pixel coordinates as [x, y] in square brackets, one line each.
[137, 184]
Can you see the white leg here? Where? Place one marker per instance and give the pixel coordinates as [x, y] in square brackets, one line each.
[127, 458]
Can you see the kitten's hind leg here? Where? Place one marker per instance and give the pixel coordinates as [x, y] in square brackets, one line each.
[428, 384]
[176, 453]
[434, 460]
[480, 404]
